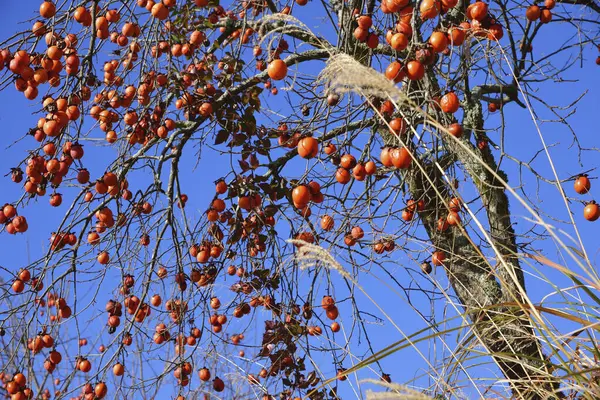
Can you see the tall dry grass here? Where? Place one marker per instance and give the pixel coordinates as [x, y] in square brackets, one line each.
[564, 321]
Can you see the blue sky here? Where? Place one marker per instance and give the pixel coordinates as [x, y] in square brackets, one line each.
[521, 142]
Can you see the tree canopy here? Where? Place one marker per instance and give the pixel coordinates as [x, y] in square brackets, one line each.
[268, 199]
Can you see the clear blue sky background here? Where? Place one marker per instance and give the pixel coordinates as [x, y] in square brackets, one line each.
[521, 139]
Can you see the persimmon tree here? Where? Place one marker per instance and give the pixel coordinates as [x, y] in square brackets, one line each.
[369, 144]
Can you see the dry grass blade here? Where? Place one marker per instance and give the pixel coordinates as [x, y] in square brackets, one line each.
[308, 254]
[344, 74]
[395, 392]
[279, 23]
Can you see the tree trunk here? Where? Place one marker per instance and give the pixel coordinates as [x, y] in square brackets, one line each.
[505, 332]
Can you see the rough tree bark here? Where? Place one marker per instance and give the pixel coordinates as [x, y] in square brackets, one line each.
[504, 332]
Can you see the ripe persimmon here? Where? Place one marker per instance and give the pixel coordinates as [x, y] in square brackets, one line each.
[370, 168]
[18, 286]
[533, 12]
[342, 176]
[47, 9]
[477, 11]
[582, 184]
[438, 41]
[9, 211]
[118, 369]
[103, 258]
[84, 365]
[455, 129]
[399, 41]
[277, 69]
[395, 72]
[438, 258]
[301, 196]
[400, 157]
[215, 303]
[385, 157]
[398, 125]
[348, 161]
[100, 390]
[453, 218]
[308, 147]
[449, 102]
[327, 223]
[24, 275]
[159, 11]
[429, 9]
[591, 211]
[408, 215]
[204, 374]
[415, 70]
[357, 233]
